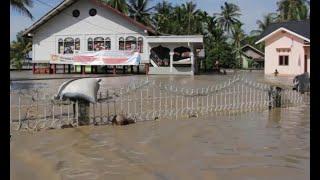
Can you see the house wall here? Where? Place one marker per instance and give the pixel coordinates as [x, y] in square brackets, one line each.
[296, 55]
[245, 63]
[104, 23]
[253, 54]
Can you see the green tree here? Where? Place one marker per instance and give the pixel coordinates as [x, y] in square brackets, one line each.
[191, 11]
[238, 36]
[120, 5]
[265, 22]
[162, 16]
[228, 17]
[139, 11]
[293, 10]
[22, 6]
[19, 50]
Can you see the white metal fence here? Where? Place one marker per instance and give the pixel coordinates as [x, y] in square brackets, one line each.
[146, 100]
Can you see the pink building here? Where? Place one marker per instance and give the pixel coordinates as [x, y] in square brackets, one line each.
[287, 47]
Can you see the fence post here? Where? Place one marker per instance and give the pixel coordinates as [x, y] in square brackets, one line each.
[160, 108]
[19, 109]
[197, 109]
[187, 97]
[121, 99]
[10, 111]
[141, 104]
[77, 113]
[128, 101]
[192, 95]
[171, 111]
[68, 109]
[100, 102]
[176, 106]
[45, 109]
[153, 102]
[182, 103]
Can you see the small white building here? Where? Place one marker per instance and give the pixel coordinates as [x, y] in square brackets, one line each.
[287, 47]
[88, 25]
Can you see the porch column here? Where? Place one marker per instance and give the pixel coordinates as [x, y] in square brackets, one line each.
[131, 69]
[171, 61]
[50, 69]
[83, 69]
[114, 70]
[33, 68]
[192, 63]
[146, 66]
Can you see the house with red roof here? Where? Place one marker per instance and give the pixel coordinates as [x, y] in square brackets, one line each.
[77, 26]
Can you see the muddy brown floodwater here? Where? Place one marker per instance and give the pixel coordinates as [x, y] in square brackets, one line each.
[259, 145]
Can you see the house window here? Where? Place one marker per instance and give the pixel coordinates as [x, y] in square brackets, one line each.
[121, 43]
[283, 60]
[131, 43]
[60, 46]
[98, 43]
[75, 13]
[77, 44]
[90, 44]
[68, 45]
[92, 12]
[107, 43]
[140, 44]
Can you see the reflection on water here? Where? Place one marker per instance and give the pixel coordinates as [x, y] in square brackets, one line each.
[274, 117]
[27, 85]
[254, 145]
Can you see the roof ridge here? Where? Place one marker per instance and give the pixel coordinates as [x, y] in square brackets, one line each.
[41, 20]
[290, 21]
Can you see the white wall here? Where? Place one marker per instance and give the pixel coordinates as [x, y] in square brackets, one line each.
[104, 23]
[296, 55]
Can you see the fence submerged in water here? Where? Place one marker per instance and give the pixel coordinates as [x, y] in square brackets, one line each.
[146, 100]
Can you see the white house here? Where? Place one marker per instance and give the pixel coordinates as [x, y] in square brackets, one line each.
[86, 25]
[287, 47]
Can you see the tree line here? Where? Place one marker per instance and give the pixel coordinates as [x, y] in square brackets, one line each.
[222, 31]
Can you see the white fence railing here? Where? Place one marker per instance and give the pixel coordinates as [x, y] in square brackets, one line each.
[146, 100]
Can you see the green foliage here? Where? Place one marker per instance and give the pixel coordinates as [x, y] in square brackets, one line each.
[19, 50]
[22, 6]
[293, 10]
[139, 11]
[120, 5]
[228, 17]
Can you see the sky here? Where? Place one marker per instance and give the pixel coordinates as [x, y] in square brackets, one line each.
[251, 11]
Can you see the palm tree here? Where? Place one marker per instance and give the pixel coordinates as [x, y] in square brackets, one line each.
[263, 24]
[120, 5]
[162, 16]
[228, 17]
[139, 11]
[19, 50]
[21, 7]
[238, 36]
[293, 9]
[191, 10]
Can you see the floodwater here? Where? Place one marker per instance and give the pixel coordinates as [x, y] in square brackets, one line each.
[253, 145]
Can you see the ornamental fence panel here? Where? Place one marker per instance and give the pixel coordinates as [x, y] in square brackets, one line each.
[146, 100]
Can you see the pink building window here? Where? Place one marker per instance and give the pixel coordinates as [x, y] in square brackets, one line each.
[283, 60]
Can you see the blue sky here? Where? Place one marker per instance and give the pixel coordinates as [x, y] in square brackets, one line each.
[251, 10]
